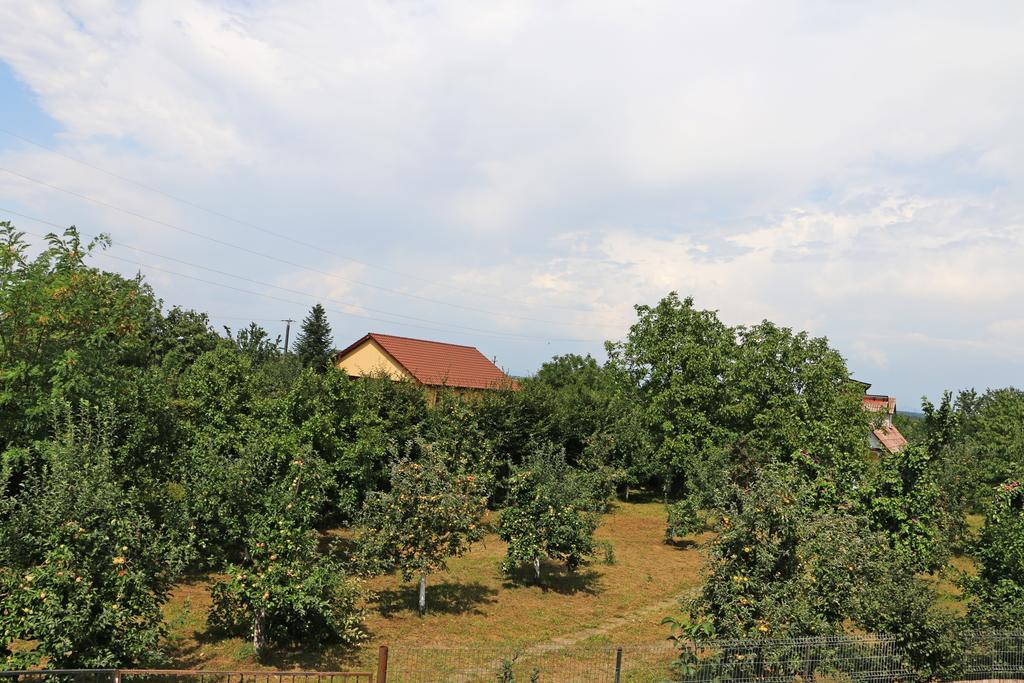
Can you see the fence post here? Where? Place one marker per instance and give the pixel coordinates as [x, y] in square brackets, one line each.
[117, 676]
[618, 664]
[382, 664]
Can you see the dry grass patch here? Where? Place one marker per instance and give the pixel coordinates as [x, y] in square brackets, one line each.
[475, 605]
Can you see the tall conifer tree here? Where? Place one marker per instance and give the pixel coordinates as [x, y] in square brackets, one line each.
[314, 343]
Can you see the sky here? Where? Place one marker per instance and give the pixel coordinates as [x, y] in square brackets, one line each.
[518, 175]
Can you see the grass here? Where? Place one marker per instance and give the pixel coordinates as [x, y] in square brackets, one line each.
[475, 605]
[477, 616]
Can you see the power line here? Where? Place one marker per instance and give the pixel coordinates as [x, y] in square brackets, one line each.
[316, 247]
[339, 312]
[293, 264]
[433, 325]
[300, 292]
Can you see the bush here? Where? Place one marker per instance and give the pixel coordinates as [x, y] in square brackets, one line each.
[683, 520]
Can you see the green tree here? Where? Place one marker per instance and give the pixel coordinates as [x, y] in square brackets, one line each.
[432, 513]
[314, 343]
[790, 393]
[994, 427]
[551, 511]
[83, 570]
[241, 453]
[996, 595]
[677, 356]
[284, 591]
[942, 424]
[683, 519]
[903, 500]
[68, 332]
[255, 343]
[781, 565]
[453, 427]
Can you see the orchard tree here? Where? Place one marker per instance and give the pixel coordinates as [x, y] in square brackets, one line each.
[781, 567]
[551, 511]
[791, 393]
[83, 570]
[431, 513]
[285, 592]
[996, 595]
[314, 343]
[453, 426]
[683, 519]
[902, 500]
[68, 332]
[255, 343]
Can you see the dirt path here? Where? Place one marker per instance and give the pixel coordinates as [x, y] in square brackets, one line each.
[487, 669]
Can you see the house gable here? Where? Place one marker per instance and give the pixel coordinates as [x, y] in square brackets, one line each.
[429, 363]
[368, 358]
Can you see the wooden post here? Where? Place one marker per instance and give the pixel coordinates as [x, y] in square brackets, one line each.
[382, 664]
[117, 676]
[618, 664]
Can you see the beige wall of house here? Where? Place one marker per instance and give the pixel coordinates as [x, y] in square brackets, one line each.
[370, 359]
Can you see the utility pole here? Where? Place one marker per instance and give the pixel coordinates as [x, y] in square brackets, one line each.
[287, 329]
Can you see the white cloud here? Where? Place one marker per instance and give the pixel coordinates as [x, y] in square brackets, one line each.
[853, 168]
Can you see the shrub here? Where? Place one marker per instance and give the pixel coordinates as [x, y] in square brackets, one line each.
[683, 520]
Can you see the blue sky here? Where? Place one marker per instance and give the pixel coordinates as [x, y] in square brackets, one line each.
[518, 175]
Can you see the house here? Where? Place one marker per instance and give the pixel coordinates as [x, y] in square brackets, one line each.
[884, 436]
[429, 364]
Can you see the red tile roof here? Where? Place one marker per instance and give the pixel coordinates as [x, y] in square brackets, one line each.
[880, 402]
[437, 363]
[890, 438]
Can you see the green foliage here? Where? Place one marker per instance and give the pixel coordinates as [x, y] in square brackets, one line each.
[677, 356]
[931, 639]
[943, 424]
[683, 519]
[984, 433]
[314, 344]
[719, 403]
[255, 343]
[551, 511]
[790, 393]
[432, 512]
[453, 427]
[194, 451]
[996, 595]
[286, 592]
[782, 567]
[68, 332]
[83, 570]
[902, 500]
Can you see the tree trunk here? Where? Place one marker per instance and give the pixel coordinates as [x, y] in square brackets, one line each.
[423, 593]
[536, 566]
[257, 631]
[627, 493]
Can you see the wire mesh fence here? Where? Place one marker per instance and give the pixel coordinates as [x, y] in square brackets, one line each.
[59, 676]
[832, 659]
[994, 656]
[182, 676]
[597, 663]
